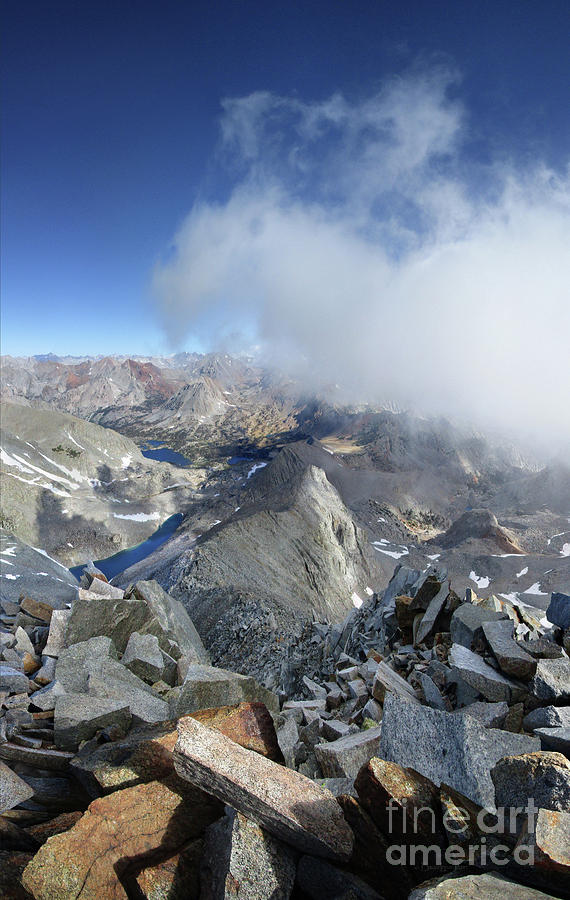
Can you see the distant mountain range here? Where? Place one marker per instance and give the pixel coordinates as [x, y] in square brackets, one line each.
[295, 505]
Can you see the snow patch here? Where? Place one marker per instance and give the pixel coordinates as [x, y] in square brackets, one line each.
[522, 572]
[260, 465]
[565, 550]
[482, 581]
[47, 556]
[9, 551]
[10, 576]
[356, 600]
[535, 589]
[395, 554]
[369, 591]
[126, 461]
[138, 517]
[433, 555]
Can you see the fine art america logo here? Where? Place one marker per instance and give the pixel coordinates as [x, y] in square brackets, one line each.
[478, 843]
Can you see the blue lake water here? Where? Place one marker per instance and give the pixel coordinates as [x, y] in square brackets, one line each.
[117, 563]
[154, 450]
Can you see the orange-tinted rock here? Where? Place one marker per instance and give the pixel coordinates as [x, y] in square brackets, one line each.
[248, 724]
[115, 839]
[146, 754]
[31, 663]
[37, 608]
[176, 878]
[549, 844]
[401, 802]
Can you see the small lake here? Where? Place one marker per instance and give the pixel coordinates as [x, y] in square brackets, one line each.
[120, 561]
[157, 450]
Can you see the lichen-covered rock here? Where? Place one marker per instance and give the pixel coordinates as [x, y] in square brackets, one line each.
[543, 776]
[111, 842]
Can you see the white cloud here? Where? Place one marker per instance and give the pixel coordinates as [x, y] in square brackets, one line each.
[361, 239]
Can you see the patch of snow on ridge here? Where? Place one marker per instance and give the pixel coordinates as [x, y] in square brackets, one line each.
[395, 554]
[512, 597]
[260, 465]
[126, 461]
[10, 461]
[565, 550]
[40, 484]
[328, 449]
[535, 589]
[356, 600]
[9, 551]
[43, 553]
[522, 572]
[8, 575]
[369, 591]
[433, 555]
[482, 581]
[74, 441]
[138, 517]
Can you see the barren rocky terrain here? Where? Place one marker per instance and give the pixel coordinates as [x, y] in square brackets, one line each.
[354, 610]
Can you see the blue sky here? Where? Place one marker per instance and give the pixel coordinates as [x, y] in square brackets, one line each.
[118, 125]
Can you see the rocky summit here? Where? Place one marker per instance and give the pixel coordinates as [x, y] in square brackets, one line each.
[306, 650]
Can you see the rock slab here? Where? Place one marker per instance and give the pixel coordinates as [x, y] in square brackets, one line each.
[284, 802]
[455, 750]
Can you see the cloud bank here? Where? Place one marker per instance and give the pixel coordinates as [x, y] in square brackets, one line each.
[365, 243]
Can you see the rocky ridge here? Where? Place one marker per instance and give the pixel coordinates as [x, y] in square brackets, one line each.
[120, 745]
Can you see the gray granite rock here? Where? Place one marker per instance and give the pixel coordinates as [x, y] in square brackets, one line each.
[558, 611]
[544, 776]
[551, 683]
[91, 667]
[57, 629]
[510, 655]
[345, 757]
[447, 748]
[386, 680]
[338, 786]
[372, 710]
[78, 717]
[46, 672]
[429, 619]
[480, 676]
[491, 715]
[117, 618]
[13, 790]
[13, 680]
[555, 739]
[432, 693]
[206, 687]
[479, 886]
[288, 738]
[467, 623]
[283, 802]
[547, 717]
[143, 657]
[173, 620]
[104, 589]
[241, 859]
